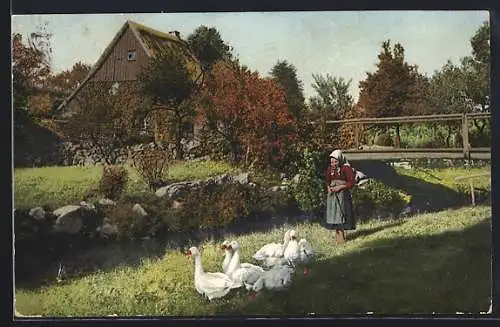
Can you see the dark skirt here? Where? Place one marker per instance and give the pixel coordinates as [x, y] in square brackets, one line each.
[339, 211]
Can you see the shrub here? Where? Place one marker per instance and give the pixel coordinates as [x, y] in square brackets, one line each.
[152, 165]
[217, 205]
[309, 190]
[130, 224]
[378, 199]
[113, 182]
[277, 202]
[384, 139]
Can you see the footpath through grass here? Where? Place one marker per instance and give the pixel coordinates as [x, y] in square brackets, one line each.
[438, 262]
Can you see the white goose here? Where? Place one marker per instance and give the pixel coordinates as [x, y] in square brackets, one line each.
[211, 284]
[277, 278]
[244, 273]
[271, 254]
[298, 252]
[227, 255]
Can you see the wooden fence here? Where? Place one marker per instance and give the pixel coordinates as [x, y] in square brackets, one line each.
[466, 151]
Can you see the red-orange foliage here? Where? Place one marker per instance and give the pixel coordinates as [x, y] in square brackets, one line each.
[248, 111]
[31, 63]
[67, 80]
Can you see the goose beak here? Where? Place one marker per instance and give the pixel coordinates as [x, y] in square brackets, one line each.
[229, 247]
[188, 253]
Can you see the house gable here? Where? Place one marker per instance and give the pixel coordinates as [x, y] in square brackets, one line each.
[129, 51]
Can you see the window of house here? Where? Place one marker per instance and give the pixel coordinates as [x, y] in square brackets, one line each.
[131, 55]
[114, 88]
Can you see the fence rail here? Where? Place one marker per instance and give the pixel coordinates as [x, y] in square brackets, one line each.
[466, 151]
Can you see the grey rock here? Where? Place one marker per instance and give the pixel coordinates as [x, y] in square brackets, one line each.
[108, 229]
[243, 178]
[69, 219]
[139, 210]
[107, 202]
[222, 179]
[37, 213]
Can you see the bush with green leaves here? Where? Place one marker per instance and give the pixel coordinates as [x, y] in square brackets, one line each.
[279, 202]
[217, 206]
[377, 199]
[309, 190]
[113, 181]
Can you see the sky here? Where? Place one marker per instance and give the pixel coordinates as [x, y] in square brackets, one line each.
[340, 43]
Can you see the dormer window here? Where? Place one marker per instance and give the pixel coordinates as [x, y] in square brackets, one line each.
[131, 55]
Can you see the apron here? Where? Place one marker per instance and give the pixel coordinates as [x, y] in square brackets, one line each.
[339, 208]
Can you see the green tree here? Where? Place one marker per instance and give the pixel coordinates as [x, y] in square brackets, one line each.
[332, 101]
[207, 45]
[388, 91]
[169, 84]
[286, 75]
[333, 98]
[476, 69]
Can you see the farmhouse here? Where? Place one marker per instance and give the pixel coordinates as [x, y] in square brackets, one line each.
[133, 46]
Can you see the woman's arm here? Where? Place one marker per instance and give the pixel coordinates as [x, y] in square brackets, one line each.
[350, 179]
[328, 179]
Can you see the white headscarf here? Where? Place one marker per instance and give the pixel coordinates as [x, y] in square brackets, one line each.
[337, 154]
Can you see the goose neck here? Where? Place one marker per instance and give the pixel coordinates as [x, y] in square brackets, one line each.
[198, 267]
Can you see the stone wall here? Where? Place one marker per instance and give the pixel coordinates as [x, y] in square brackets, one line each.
[41, 147]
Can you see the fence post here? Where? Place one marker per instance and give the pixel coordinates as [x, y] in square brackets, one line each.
[465, 136]
[356, 136]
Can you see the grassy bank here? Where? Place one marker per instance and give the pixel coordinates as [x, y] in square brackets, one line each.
[58, 186]
[437, 262]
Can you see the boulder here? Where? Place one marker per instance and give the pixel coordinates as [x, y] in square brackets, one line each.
[139, 210]
[108, 229]
[69, 219]
[175, 190]
[37, 213]
[221, 179]
[243, 178]
[106, 202]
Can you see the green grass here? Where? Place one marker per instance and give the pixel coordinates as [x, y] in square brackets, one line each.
[446, 176]
[59, 186]
[437, 262]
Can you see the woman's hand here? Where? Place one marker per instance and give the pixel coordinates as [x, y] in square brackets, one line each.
[337, 188]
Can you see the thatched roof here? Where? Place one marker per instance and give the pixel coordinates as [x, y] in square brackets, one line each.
[153, 43]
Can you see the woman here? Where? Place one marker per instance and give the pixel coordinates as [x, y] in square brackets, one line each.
[339, 178]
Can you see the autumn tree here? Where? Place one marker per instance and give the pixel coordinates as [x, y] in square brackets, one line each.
[69, 79]
[30, 70]
[247, 113]
[285, 74]
[169, 84]
[388, 91]
[106, 118]
[207, 45]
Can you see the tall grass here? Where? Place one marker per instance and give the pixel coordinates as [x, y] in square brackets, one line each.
[430, 263]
